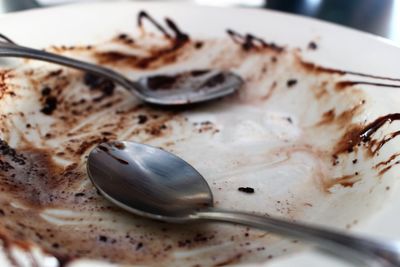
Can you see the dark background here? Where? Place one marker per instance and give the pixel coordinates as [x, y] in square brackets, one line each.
[381, 17]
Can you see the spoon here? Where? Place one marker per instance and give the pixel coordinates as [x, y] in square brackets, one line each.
[156, 184]
[182, 88]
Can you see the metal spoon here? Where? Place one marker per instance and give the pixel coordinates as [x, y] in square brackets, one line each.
[153, 183]
[173, 89]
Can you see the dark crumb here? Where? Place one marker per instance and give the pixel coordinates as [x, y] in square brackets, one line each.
[95, 82]
[55, 245]
[274, 59]
[122, 36]
[91, 80]
[291, 82]
[387, 188]
[8, 151]
[119, 145]
[289, 120]
[107, 133]
[54, 73]
[312, 45]
[48, 135]
[139, 245]
[356, 173]
[215, 80]
[107, 87]
[49, 106]
[103, 238]
[46, 91]
[142, 119]
[2, 212]
[198, 45]
[79, 194]
[247, 190]
[270, 257]
[335, 162]
[28, 125]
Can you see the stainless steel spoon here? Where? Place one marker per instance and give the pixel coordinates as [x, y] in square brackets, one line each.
[173, 89]
[153, 183]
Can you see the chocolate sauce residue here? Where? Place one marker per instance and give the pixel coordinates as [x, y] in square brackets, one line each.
[386, 139]
[6, 150]
[291, 82]
[54, 73]
[249, 41]
[167, 82]
[30, 179]
[97, 83]
[386, 162]
[327, 117]
[248, 190]
[345, 181]
[179, 36]
[383, 171]
[142, 119]
[107, 151]
[163, 56]
[46, 91]
[143, 15]
[160, 82]
[50, 105]
[103, 148]
[358, 134]
[124, 38]
[316, 68]
[119, 145]
[344, 84]
[371, 128]
[213, 81]
[312, 45]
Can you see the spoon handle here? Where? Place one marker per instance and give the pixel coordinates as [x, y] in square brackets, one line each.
[355, 249]
[8, 49]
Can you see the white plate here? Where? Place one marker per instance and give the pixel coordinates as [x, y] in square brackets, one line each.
[244, 129]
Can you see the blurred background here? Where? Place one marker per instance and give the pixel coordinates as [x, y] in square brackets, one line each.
[380, 17]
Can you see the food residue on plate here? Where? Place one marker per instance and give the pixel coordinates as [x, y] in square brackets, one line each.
[48, 130]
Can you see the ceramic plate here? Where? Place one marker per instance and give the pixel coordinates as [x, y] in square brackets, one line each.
[311, 136]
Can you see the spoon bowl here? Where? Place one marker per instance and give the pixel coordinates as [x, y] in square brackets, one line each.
[156, 184]
[138, 178]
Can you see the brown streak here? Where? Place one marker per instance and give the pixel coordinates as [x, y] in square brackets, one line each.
[316, 68]
[383, 171]
[345, 181]
[382, 163]
[358, 134]
[344, 84]
[144, 15]
[271, 91]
